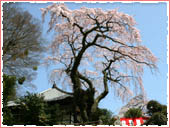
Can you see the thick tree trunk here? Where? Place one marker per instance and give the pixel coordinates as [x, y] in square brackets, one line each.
[84, 99]
[94, 107]
[85, 102]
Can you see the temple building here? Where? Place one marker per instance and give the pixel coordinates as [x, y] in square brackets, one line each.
[52, 96]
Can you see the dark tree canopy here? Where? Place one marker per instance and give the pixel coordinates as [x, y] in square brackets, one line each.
[105, 116]
[9, 88]
[158, 113]
[157, 118]
[30, 110]
[33, 107]
[154, 106]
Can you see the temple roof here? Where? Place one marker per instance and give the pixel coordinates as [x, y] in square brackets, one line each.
[52, 94]
[12, 103]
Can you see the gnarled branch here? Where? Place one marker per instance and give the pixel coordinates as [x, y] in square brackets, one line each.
[86, 80]
[69, 93]
[106, 90]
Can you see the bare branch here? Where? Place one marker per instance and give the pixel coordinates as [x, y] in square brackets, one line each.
[69, 93]
[106, 90]
[86, 80]
[125, 55]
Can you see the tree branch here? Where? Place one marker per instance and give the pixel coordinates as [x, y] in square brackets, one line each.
[80, 27]
[112, 50]
[106, 90]
[69, 93]
[86, 80]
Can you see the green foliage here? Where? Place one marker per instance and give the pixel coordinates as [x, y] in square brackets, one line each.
[35, 68]
[9, 88]
[21, 80]
[55, 114]
[9, 93]
[133, 113]
[153, 106]
[8, 118]
[33, 110]
[26, 52]
[104, 116]
[164, 110]
[158, 113]
[157, 118]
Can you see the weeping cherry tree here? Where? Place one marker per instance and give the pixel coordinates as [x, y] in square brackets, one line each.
[96, 51]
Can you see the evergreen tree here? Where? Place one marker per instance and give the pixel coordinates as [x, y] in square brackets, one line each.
[9, 88]
[158, 113]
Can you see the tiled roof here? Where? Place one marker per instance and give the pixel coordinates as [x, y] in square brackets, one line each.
[12, 103]
[52, 94]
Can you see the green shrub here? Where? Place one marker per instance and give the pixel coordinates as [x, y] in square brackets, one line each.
[157, 118]
[133, 113]
[153, 106]
[32, 109]
[8, 118]
[158, 113]
[104, 116]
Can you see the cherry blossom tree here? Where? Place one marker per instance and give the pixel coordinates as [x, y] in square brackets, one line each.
[95, 50]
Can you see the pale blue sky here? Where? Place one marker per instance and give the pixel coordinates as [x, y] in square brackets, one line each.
[152, 22]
